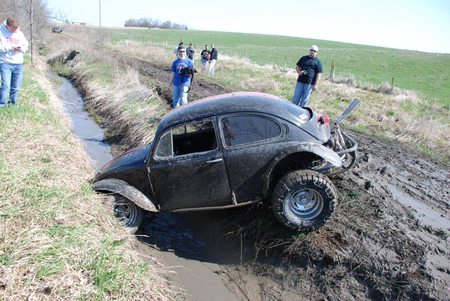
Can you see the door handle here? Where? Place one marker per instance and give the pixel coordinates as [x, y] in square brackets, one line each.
[214, 160]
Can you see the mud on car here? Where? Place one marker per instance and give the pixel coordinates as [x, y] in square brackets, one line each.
[233, 150]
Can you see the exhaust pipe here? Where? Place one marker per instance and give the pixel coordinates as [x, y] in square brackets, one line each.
[347, 111]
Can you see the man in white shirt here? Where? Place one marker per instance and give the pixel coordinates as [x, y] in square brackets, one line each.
[13, 45]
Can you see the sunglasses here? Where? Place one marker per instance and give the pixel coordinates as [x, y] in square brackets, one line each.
[181, 51]
[312, 50]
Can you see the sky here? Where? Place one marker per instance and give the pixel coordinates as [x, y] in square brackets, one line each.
[422, 25]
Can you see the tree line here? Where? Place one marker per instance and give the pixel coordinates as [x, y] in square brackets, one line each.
[33, 15]
[154, 23]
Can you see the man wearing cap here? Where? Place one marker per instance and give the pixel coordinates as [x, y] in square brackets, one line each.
[309, 70]
[180, 82]
[13, 45]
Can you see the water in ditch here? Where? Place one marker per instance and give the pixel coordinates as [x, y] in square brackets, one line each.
[83, 125]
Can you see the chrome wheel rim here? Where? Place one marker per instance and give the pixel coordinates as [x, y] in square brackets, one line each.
[304, 204]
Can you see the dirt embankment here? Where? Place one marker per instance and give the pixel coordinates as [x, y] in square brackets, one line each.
[160, 73]
[387, 241]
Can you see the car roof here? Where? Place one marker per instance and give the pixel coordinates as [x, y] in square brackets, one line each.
[231, 103]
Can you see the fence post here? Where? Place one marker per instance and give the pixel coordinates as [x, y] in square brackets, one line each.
[285, 63]
[332, 70]
[392, 85]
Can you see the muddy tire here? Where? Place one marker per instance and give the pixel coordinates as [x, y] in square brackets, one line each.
[127, 212]
[304, 200]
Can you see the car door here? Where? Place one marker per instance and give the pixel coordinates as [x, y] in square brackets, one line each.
[250, 142]
[187, 169]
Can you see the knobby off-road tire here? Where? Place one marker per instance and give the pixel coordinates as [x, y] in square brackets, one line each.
[304, 200]
[127, 212]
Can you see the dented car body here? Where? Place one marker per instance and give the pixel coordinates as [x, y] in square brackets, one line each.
[233, 150]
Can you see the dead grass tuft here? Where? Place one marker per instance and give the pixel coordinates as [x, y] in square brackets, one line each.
[130, 107]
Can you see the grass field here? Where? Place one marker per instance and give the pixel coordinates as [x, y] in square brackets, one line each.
[427, 73]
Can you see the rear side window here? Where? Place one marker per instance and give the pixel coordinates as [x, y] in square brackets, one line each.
[186, 139]
[244, 129]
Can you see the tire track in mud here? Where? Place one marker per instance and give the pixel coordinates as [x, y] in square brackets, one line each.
[399, 175]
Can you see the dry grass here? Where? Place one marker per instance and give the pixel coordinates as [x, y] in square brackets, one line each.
[130, 107]
[56, 241]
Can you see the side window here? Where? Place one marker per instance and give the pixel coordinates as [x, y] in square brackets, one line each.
[246, 129]
[165, 145]
[189, 138]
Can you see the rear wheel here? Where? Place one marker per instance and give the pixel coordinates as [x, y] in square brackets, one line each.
[127, 212]
[304, 200]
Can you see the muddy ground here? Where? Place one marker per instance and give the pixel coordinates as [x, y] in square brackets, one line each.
[388, 240]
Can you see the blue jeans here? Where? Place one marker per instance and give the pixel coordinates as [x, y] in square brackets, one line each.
[12, 76]
[180, 96]
[301, 94]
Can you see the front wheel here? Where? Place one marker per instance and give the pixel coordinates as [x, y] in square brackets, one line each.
[304, 200]
[127, 212]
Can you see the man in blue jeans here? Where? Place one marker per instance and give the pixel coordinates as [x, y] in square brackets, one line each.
[13, 45]
[309, 70]
[180, 82]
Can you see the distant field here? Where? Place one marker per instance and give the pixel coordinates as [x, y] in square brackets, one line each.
[424, 72]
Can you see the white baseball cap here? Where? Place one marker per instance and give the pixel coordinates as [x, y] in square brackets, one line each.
[314, 47]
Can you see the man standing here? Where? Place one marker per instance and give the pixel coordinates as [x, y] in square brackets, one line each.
[180, 82]
[212, 61]
[205, 55]
[190, 52]
[13, 45]
[309, 71]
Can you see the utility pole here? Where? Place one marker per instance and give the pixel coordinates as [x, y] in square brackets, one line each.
[100, 20]
[31, 29]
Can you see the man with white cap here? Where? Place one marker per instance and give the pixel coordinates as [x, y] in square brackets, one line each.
[309, 69]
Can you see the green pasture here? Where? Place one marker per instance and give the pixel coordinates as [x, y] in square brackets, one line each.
[427, 73]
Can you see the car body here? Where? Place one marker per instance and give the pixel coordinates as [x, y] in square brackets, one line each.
[57, 29]
[231, 150]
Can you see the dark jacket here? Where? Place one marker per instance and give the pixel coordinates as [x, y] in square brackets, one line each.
[214, 54]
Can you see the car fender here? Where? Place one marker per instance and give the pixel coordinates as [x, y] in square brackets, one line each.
[317, 149]
[123, 188]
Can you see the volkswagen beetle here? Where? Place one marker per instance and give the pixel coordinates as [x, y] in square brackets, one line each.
[233, 150]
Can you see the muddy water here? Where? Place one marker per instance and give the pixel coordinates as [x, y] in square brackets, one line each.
[167, 237]
[82, 124]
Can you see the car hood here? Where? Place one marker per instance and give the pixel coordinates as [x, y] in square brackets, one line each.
[132, 159]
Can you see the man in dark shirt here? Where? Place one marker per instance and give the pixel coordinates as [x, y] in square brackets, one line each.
[212, 60]
[190, 52]
[309, 71]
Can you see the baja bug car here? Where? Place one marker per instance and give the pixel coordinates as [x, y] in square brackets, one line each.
[233, 150]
